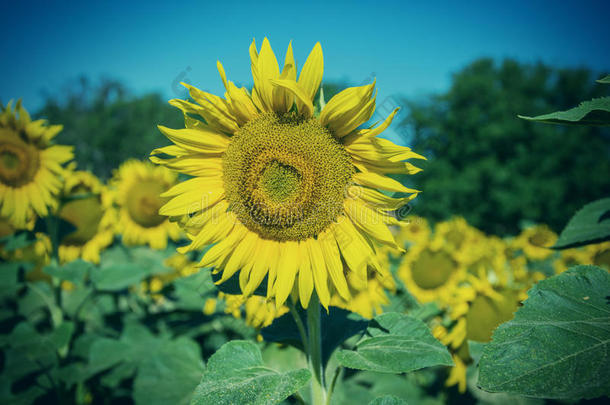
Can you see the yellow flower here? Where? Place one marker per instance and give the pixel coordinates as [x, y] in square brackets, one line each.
[259, 312]
[139, 186]
[416, 231]
[84, 209]
[430, 274]
[536, 241]
[573, 257]
[465, 243]
[599, 254]
[457, 375]
[30, 166]
[280, 191]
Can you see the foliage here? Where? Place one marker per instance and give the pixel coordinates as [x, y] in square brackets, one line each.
[107, 124]
[591, 224]
[497, 170]
[557, 344]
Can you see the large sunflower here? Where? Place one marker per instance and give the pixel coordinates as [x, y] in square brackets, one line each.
[85, 210]
[31, 168]
[280, 191]
[139, 186]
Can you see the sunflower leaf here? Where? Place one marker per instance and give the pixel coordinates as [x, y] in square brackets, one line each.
[395, 343]
[604, 80]
[558, 344]
[591, 224]
[236, 375]
[592, 112]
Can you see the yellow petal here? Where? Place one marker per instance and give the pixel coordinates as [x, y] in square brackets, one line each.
[197, 140]
[305, 276]
[347, 110]
[311, 74]
[370, 221]
[318, 268]
[305, 105]
[288, 265]
[379, 181]
[334, 265]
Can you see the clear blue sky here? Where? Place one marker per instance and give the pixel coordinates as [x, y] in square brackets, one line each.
[411, 47]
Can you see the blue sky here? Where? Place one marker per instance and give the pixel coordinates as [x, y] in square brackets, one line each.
[411, 47]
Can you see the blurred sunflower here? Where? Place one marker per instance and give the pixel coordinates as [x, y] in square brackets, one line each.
[30, 166]
[573, 257]
[477, 308]
[417, 231]
[535, 242]
[84, 209]
[38, 254]
[180, 265]
[139, 188]
[430, 273]
[278, 186]
[257, 311]
[465, 243]
[367, 299]
[599, 254]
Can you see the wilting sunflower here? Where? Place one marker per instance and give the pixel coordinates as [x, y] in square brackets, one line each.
[139, 186]
[84, 209]
[31, 168]
[280, 191]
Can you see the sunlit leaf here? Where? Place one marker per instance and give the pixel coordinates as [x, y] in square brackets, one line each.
[236, 374]
[395, 343]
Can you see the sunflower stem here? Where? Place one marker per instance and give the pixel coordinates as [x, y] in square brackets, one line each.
[314, 346]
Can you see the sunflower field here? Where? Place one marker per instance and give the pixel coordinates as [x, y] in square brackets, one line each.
[273, 248]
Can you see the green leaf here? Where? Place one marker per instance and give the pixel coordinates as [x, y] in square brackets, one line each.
[9, 277]
[558, 344]
[236, 375]
[593, 112]
[16, 241]
[395, 343]
[337, 326]
[117, 276]
[74, 271]
[170, 374]
[388, 400]
[604, 80]
[591, 224]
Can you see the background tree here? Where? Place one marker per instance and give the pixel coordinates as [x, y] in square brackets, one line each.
[107, 124]
[497, 170]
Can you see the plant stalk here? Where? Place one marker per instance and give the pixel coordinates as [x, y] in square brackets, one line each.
[314, 346]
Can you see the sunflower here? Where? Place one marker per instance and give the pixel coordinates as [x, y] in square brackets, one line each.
[417, 231]
[84, 209]
[257, 311]
[30, 166]
[139, 186]
[466, 243]
[430, 273]
[599, 254]
[281, 191]
[536, 241]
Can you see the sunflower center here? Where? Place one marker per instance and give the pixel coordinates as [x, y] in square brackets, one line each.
[143, 203]
[485, 314]
[285, 176]
[539, 239]
[19, 161]
[432, 269]
[85, 214]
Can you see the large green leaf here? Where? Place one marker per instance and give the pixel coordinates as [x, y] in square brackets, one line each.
[236, 375]
[337, 326]
[74, 271]
[395, 343]
[117, 276]
[593, 112]
[558, 344]
[170, 374]
[591, 224]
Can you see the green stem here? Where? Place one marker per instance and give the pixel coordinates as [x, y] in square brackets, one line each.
[314, 345]
[300, 325]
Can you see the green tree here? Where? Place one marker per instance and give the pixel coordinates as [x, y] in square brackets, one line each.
[495, 169]
[107, 124]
